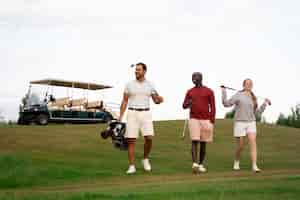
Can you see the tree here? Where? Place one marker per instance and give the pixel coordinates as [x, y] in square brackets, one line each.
[282, 120]
[293, 119]
[230, 114]
[2, 118]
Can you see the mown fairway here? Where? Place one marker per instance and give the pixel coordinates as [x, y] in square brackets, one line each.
[72, 162]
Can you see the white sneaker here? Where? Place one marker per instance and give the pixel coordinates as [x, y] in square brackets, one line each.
[202, 169]
[256, 169]
[195, 168]
[146, 164]
[236, 165]
[131, 169]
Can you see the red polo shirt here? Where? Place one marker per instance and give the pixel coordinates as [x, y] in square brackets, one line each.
[203, 103]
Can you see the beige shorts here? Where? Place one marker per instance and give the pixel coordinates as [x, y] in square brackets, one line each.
[241, 129]
[201, 130]
[139, 121]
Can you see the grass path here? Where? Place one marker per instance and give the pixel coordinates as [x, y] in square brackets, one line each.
[147, 180]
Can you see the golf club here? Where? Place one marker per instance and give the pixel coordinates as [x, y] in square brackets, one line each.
[233, 89]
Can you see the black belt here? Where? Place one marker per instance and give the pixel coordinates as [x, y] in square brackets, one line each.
[139, 109]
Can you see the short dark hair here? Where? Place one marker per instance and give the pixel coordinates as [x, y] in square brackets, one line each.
[143, 65]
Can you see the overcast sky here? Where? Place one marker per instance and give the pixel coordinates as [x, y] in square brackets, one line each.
[97, 40]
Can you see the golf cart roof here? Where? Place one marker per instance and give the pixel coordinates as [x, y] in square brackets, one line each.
[71, 84]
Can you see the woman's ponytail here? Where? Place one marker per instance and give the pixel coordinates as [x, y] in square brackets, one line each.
[254, 99]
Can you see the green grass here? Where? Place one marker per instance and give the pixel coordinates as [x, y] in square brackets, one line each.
[240, 189]
[73, 162]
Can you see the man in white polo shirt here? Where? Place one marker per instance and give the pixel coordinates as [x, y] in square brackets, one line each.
[136, 95]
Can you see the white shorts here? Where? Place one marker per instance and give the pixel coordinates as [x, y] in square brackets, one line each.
[139, 121]
[243, 128]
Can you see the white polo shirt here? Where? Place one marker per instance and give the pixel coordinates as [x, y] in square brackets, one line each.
[139, 93]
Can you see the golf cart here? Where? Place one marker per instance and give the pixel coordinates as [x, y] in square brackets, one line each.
[64, 109]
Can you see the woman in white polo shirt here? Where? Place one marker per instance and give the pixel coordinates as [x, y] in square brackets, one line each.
[246, 108]
[136, 96]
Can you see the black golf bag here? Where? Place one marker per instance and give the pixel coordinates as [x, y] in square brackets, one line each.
[116, 130]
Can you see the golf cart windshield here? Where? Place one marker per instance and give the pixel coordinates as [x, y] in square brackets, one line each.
[33, 99]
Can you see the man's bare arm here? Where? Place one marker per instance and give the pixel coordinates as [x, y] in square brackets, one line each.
[123, 106]
[157, 99]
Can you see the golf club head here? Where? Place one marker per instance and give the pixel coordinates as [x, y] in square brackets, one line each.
[132, 65]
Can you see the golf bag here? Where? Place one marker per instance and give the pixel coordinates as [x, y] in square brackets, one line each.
[116, 130]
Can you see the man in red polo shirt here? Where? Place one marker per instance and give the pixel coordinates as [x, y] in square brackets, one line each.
[201, 102]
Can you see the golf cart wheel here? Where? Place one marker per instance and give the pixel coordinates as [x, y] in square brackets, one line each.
[20, 121]
[42, 119]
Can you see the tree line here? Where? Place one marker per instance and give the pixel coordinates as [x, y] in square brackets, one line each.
[292, 119]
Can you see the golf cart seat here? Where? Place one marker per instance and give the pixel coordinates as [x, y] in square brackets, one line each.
[78, 104]
[94, 105]
[59, 104]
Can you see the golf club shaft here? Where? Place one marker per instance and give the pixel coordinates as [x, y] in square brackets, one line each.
[184, 127]
[230, 88]
[185, 124]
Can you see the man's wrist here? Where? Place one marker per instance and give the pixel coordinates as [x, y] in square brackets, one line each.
[120, 118]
